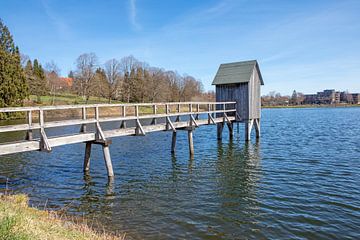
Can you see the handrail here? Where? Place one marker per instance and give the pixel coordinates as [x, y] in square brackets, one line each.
[122, 116]
[77, 106]
[216, 113]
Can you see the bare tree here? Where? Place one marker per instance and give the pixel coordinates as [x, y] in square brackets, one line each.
[52, 72]
[85, 73]
[113, 77]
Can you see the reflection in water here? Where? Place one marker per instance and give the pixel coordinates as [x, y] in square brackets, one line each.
[240, 171]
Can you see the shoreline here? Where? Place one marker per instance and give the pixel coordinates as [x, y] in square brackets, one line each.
[20, 221]
[313, 106]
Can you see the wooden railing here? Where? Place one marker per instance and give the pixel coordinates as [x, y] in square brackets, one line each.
[92, 114]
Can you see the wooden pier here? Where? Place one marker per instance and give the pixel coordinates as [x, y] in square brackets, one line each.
[146, 118]
[237, 95]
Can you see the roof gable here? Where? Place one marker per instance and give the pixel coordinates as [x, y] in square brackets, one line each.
[237, 72]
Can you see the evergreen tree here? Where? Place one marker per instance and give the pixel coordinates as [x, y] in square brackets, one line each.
[294, 97]
[13, 87]
[39, 84]
[100, 85]
[29, 74]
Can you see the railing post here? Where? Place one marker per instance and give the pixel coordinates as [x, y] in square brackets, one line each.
[123, 123]
[167, 112]
[178, 110]
[154, 112]
[97, 113]
[99, 133]
[136, 111]
[167, 109]
[44, 144]
[197, 110]
[190, 110]
[83, 126]
[29, 135]
[209, 110]
[139, 129]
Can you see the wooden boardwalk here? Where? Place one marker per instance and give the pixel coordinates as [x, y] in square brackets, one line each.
[146, 118]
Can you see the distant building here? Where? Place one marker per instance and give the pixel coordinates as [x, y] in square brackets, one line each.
[330, 96]
[356, 98]
[65, 82]
[310, 98]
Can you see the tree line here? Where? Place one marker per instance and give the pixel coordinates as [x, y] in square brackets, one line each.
[276, 99]
[130, 80]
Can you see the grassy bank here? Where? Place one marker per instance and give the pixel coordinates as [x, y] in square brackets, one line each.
[18, 221]
[64, 99]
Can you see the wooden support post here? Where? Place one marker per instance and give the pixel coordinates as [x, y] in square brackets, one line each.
[83, 126]
[87, 157]
[230, 127]
[29, 135]
[108, 162]
[257, 127]
[191, 142]
[173, 142]
[220, 127]
[123, 123]
[248, 127]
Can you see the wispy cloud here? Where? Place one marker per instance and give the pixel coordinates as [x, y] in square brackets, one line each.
[60, 25]
[132, 15]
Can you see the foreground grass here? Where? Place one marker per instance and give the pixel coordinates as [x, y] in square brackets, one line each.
[18, 221]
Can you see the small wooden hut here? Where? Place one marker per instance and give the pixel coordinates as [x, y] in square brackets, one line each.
[240, 82]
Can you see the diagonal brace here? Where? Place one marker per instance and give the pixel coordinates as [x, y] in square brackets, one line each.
[226, 118]
[44, 142]
[192, 119]
[99, 133]
[169, 123]
[211, 119]
[139, 131]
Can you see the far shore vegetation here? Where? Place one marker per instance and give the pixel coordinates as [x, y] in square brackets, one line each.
[18, 221]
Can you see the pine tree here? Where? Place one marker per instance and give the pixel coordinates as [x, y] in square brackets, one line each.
[294, 98]
[29, 74]
[13, 87]
[39, 84]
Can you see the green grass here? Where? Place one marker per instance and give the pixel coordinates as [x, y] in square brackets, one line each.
[66, 99]
[18, 221]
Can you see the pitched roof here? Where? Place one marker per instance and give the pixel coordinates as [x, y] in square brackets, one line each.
[237, 72]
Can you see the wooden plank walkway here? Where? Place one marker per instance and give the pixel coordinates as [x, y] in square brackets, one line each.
[159, 116]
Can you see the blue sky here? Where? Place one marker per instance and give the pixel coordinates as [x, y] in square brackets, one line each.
[303, 45]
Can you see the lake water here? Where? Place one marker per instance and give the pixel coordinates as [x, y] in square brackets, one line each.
[300, 181]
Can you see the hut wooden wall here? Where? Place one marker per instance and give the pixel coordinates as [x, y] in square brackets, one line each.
[235, 92]
[254, 96]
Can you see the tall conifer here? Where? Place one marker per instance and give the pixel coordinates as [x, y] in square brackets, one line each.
[13, 87]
